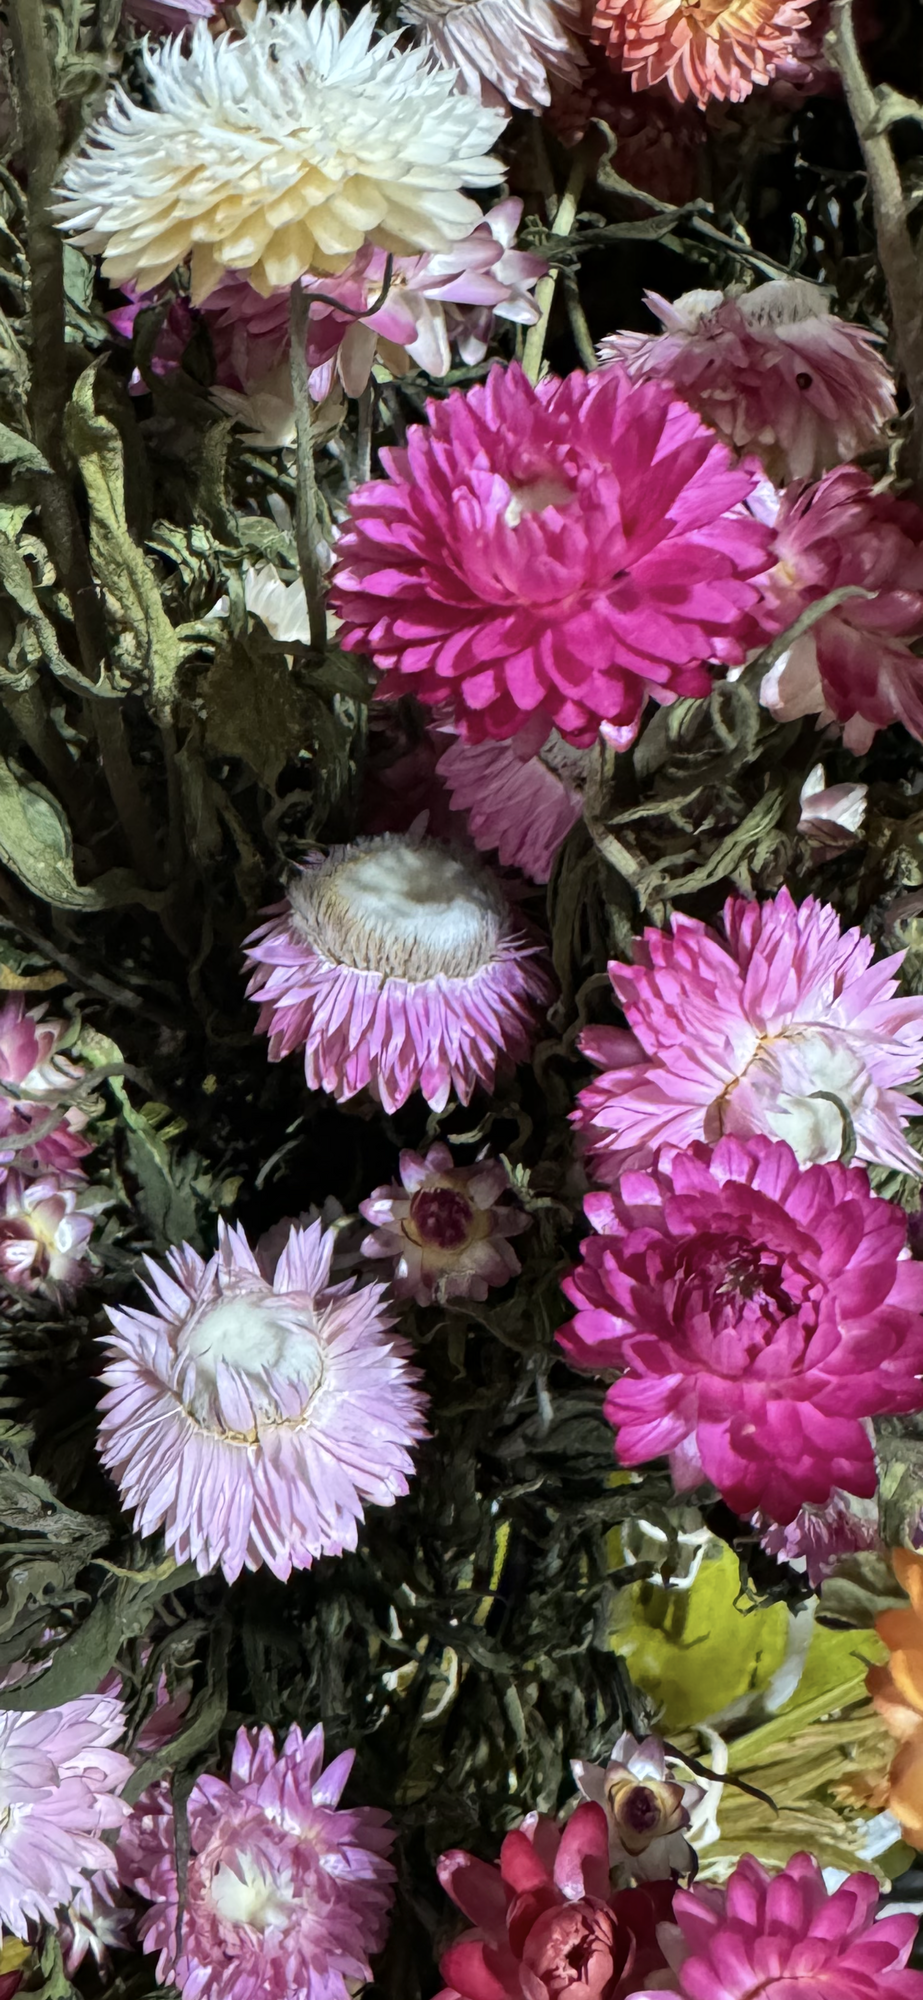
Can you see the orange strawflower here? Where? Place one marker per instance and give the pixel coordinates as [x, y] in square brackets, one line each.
[707, 48]
[897, 1692]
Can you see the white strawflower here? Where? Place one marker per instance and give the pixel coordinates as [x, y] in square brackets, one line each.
[276, 151]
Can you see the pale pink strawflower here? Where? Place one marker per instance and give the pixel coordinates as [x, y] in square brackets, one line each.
[787, 1937]
[856, 666]
[521, 797]
[783, 1025]
[169, 17]
[506, 52]
[761, 1312]
[774, 372]
[819, 1536]
[445, 1228]
[647, 1808]
[553, 554]
[252, 1421]
[59, 1785]
[397, 966]
[37, 1077]
[718, 48]
[45, 1231]
[832, 816]
[97, 1921]
[286, 1896]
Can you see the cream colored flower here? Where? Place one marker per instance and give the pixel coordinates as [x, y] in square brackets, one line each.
[278, 151]
[505, 51]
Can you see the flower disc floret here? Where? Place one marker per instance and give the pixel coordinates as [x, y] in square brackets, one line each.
[552, 554]
[280, 149]
[60, 1780]
[761, 1313]
[252, 1420]
[397, 966]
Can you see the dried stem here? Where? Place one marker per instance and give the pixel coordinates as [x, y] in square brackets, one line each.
[900, 258]
[561, 225]
[307, 530]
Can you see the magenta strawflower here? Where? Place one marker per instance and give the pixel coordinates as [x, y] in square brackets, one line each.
[59, 1785]
[45, 1231]
[856, 665]
[253, 1420]
[761, 1311]
[774, 372]
[445, 1228]
[286, 1896]
[36, 1079]
[548, 1923]
[787, 1937]
[521, 798]
[782, 1025]
[397, 966]
[553, 554]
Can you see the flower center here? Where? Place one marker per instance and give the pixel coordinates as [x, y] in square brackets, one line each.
[402, 909]
[783, 302]
[441, 1216]
[252, 1897]
[256, 1340]
[534, 497]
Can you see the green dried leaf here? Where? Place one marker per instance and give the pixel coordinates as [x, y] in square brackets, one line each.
[36, 845]
[254, 709]
[20, 452]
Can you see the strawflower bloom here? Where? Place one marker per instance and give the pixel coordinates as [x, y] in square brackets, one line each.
[718, 48]
[897, 1692]
[251, 1419]
[774, 372]
[286, 1896]
[551, 554]
[818, 1537]
[168, 17]
[59, 1785]
[832, 816]
[647, 1809]
[397, 966]
[549, 1925]
[277, 150]
[97, 1921]
[782, 1025]
[445, 1228]
[45, 1230]
[762, 1313]
[507, 52]
[787, 1937]
[521, 797]
[856, 665]
[35, 1078]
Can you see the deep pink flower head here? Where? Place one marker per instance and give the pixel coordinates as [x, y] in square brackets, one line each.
[549, 1926]
[446, 1229]
[397, 966]
[856, 663]
[41, 1077]
[286, 1896]
[780, 1026]
[551, 554]
[59, 1785]
[787, 1937]
[45, 1230]
[774, 371]
[252, 1418]
[521, 798]
[761, 1311]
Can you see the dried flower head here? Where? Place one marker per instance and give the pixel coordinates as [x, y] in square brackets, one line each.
[36, 1080]
[277, 150]
[520, 797]
[648, 1809]
[45, 1230]
[59, 1785]
[397, 966]
[507, 52]
[897, 1692]
[818, 1536]
[287, 1894]
[774, 372]
[832, 816]
[445, 1228]
[713, 48]
[252, 1420]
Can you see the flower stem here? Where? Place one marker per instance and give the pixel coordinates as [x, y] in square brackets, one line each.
[306, 521]
[564, 219]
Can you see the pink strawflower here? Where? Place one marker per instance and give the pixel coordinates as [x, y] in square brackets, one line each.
[521, 797]
[551, 554]
[97, 1922]
[250, 1420]
[783, 1025]
[169, 17]
[832, 816]
[45, 1230]
[173, 334]
[59, 1785]
[761, 1312]
[36, 1078]
[431, 301]
[397, 966]
[549, 1925]
[647, 1809]
[787, 1937]
[445, 1228]
[774, 372]
[718, 48]
[286, 1897]
[819, 1536]
[855, 665]
[507, 52]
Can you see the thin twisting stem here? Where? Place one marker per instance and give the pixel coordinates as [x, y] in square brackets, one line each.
[565, 217]
[307, 531]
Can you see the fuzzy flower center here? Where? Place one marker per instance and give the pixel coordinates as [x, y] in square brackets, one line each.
[441, 1217]
[404, 911]
[245, 1894]
[534, 497]
[256, 1340]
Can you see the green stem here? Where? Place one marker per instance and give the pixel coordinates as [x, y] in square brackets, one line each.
[307, 531]
[564, 219]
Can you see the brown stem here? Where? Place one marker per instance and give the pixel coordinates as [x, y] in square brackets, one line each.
[306, 522]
